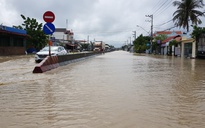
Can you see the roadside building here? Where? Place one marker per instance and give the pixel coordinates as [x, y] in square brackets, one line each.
[59, 36]
[166, 49]
[12, 41]
[185, 46]
[201, 46]
[65, 37]
[188, 47]
[164, 45]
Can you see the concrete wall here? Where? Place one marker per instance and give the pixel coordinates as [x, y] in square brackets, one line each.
[12, 50]
[51, 62]
[69, 57]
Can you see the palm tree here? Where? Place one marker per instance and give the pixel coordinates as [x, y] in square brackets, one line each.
[186, 12]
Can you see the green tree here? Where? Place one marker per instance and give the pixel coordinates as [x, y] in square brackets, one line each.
[37, 38]
[140, 44]
[186, 12]
[197, 32]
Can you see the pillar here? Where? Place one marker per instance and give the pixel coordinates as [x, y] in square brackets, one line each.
[193, 49]
[182, 50]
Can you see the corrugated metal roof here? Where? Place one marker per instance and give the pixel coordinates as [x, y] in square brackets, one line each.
[11, 30]
[12, 33]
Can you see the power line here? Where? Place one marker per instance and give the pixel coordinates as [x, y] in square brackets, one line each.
[163, 10]
[155, 6]
[164, 23]
[160, 7]
[169, 28]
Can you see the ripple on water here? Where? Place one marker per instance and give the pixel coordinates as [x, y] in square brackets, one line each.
[117, 90]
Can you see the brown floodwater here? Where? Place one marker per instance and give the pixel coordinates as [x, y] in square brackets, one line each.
[114, 90]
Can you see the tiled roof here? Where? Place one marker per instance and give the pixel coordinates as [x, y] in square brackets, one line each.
[178, 38]
[167, 33]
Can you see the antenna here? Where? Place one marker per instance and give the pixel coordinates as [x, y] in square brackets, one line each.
[66, 24]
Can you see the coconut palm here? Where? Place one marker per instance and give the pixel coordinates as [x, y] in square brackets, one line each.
[186, 12]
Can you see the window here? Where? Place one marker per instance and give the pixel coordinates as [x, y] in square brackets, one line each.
[18, 41]
[4, 40]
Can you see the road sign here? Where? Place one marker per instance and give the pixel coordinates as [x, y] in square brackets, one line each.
[53, 39]
[49, 28]
[48, 17]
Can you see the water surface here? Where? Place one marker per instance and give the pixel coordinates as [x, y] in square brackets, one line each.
[114, 90]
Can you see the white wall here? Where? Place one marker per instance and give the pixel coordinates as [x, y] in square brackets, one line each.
[60, 35]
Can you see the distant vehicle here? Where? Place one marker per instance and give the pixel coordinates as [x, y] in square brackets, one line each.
[99, 46]
[55, 50]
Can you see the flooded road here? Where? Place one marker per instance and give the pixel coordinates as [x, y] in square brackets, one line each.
[114, 90]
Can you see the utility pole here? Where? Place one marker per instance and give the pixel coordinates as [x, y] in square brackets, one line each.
[151, 16]
[88, 43]
[134, 34]
[88, 39]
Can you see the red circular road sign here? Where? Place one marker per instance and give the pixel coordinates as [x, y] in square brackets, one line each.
[48, 17]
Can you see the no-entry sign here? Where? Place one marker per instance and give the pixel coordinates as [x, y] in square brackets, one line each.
[48, 17]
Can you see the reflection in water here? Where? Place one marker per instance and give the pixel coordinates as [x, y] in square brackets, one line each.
[116, 90]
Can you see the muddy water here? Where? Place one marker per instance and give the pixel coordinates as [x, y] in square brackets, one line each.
[115, 90]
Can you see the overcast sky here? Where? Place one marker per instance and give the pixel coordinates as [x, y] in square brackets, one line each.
[112, 21]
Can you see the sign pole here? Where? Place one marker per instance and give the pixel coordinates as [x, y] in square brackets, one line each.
[49, 45]
[49, 28]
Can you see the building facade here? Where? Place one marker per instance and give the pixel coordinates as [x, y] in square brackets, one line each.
[12, 41]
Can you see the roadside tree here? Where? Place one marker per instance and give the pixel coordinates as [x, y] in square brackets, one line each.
[197, 32]
[187, 12]
[37, 38]
[140, 44]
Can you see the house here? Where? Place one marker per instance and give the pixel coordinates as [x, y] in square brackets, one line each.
[65, 37]
[172, 50]
[12, 41]
[164, 45]
[59, 36]
[201, 46]
[188, 47]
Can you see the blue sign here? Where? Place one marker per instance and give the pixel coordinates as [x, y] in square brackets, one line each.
[148, 44]
[53, 39]
[49, 28]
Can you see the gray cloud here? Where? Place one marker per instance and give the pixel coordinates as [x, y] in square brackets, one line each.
[109, 20]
